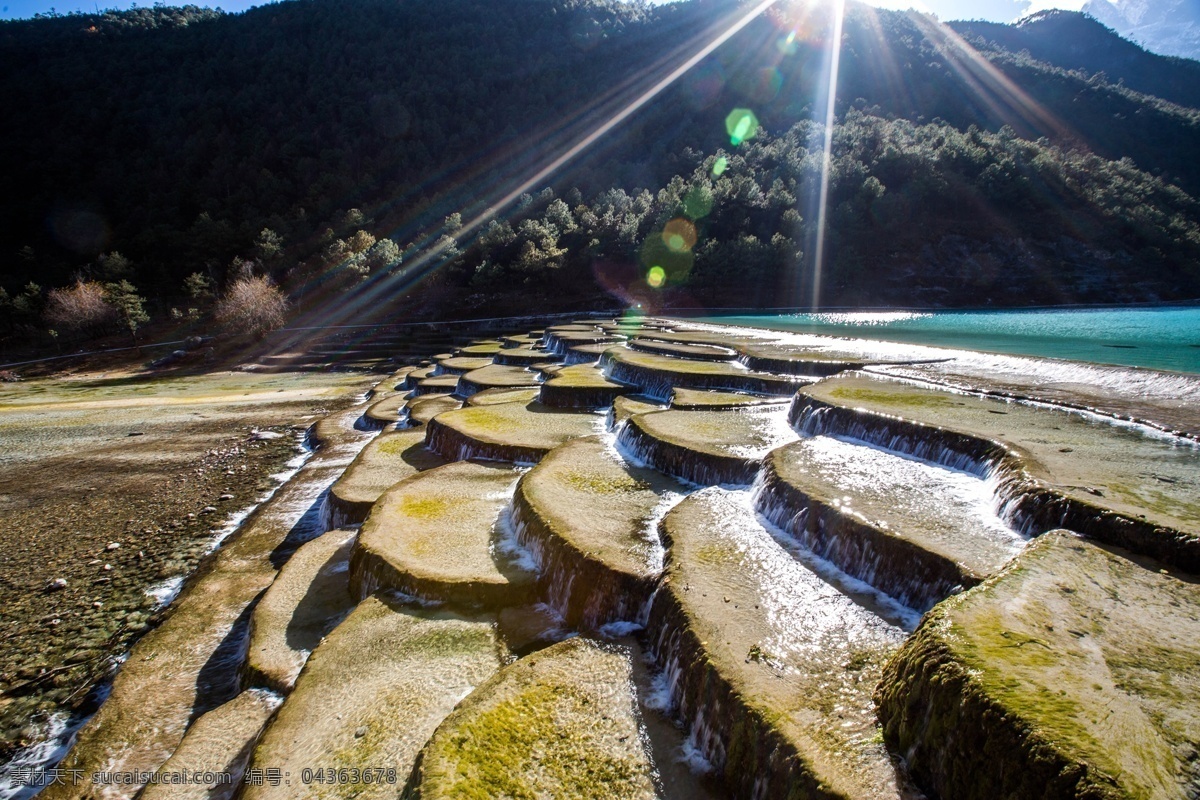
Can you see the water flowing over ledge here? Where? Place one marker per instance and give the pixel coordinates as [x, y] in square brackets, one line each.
[1025, 502]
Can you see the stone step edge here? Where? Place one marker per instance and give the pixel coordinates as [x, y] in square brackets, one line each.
[1030, 505]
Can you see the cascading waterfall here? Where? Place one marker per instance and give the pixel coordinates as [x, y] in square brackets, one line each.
[687, 465]
[581, 590]
[1025, 504]
[956, 451]
[452, 445]
[572, 357]
[671, 648]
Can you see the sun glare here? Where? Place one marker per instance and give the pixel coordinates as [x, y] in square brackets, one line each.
[650, 86]
[813, 27]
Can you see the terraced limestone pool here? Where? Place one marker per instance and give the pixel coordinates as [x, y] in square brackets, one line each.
[696, 563]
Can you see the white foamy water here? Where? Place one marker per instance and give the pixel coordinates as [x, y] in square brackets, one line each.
[658, 553]
[26, 774]
[809, 603]
[880, 485]
[165, 592]
[508, 544]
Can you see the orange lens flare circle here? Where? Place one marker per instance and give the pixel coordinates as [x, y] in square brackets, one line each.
[679, 235]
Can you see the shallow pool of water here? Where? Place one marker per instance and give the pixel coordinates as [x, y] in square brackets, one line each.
[1159, 338]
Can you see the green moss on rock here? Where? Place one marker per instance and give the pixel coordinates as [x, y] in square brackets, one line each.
[580, 386]
[386, 460]
[386, 410]
[657, 375]
[589, 519]
[698, 352]
[425, 407]
[523, 357]
[371, 696]
[515, 432]
[1071, 674]
[702, 400]
[458, 365]
[495, 376]
[708, 447]
[559, 723]
[491, 397]
[434, 536]
[1053, 467]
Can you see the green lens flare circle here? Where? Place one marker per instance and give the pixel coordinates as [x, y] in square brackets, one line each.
[656, 277]
[741, 125]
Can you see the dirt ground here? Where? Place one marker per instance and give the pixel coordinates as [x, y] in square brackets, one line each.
[116, 484]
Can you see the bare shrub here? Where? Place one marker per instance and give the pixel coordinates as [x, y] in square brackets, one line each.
[252, 305]
[80, 307]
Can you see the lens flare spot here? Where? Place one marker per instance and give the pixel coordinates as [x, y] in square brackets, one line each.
[679, 235]
[719, 166]
[656, 277]
[741, 125]
[786, 46]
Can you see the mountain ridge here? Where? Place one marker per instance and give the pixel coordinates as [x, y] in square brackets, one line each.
[1169, 27]
[179, 135]
[1077, 41]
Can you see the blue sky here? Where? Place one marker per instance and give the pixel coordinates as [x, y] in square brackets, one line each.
[998, 10]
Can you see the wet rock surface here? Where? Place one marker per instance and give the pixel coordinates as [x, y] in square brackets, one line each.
[562, 722]
[554, 613]
[307, 599]
[772, 666]
[495, 376]
[1071, 674]
[580, 386]
[657, 374]
[491, 397]
[386, 410]
[505, 431]
[385, 461]
[438, 535]
[217, 747]
[420, 409]
[459, 365]
[699, 352]
[708, 447]
[626, 406]
[589, 520]
[1053, 467]
[702, 400]
[918, 531]
[370, 697]
[524, 357]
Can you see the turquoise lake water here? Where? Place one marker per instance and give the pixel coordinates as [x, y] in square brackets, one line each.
[1159, 338]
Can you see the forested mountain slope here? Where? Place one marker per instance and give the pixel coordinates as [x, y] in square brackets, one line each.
[177, 136]
[1075, 41]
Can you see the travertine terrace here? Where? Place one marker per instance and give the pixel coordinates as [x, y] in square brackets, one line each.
[568, 561]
